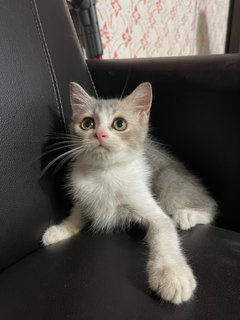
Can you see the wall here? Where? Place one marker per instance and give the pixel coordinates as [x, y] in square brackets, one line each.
[147, 28]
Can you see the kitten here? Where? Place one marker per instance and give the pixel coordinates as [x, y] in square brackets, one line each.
[120, 176]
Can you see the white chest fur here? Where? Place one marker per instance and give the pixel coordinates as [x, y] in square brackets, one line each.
[102, 191]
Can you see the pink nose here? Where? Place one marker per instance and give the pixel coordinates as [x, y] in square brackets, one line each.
[100, 135]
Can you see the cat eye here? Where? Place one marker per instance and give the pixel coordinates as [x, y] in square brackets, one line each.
[119, 124]
[87, 124]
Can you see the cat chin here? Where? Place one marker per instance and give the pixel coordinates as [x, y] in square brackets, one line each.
[99, 154]
[102, 149]
[106, 157]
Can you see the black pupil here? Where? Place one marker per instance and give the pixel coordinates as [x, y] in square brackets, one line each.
[119, 123]
[88, 123]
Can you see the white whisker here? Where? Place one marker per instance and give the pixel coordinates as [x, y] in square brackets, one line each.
[58, 148]
[57, 158]
[67, 143]
[62, 135]
[67, 139]
[69, 157]
[52, 150]
[125, 85]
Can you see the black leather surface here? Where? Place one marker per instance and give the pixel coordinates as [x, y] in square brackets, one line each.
[195, 114]
[63, 49]
[101, 277]
[32, 76]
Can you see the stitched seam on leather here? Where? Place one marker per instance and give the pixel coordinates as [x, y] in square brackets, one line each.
[82, 53]
[91, 79]
[49, 63]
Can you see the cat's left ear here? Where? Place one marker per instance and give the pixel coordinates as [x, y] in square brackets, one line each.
[141, 99]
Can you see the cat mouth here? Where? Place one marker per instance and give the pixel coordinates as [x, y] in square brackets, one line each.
[101, 146]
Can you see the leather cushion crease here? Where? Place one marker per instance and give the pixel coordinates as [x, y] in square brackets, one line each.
[195, 114]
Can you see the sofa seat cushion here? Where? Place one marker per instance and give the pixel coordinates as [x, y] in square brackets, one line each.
[95, 276]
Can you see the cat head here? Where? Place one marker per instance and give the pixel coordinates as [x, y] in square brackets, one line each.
[110, 129]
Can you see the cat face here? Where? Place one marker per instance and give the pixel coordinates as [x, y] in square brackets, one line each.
[112, 128]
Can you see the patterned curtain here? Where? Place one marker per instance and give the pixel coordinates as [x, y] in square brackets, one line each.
[148, 28]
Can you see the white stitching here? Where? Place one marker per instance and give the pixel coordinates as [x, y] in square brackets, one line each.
[49, 63]
[91, 78]
[82, 54]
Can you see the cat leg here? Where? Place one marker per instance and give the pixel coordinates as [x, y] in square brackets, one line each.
[169, 274]
[185, 199]
[70, 226]
[188, 218]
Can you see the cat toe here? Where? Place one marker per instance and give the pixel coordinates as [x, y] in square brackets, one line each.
[55, 234]
[173, 284]
[188, 218]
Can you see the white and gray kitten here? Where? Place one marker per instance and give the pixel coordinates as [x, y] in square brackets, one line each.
[120, 176]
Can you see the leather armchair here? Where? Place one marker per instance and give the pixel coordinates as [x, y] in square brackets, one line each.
[95, 276]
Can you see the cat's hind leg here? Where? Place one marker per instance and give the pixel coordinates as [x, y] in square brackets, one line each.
[188, 218]
[185, 199]
[70, 226]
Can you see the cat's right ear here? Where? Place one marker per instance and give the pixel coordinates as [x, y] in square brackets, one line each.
[79, 98]
[140, 100]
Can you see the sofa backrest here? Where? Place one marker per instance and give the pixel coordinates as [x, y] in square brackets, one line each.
[39, 56]
[195, 114]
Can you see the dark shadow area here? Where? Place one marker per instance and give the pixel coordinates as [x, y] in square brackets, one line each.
[53, 179]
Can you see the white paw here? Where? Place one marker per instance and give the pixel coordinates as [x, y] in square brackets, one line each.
[189, 218]
[173, 283]
[56, 233]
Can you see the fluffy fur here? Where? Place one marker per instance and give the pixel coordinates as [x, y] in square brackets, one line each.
[124, 177]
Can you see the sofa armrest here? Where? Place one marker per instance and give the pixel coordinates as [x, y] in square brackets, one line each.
[195, 113]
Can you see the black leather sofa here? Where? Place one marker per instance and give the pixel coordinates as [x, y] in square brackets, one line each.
[196, 113]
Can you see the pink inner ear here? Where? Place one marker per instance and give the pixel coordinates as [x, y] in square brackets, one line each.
[79, 98]
[141, 97]
[143, 103]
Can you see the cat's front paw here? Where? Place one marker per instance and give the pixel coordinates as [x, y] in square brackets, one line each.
[174, 283]
[55, 234]
[185, 219]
